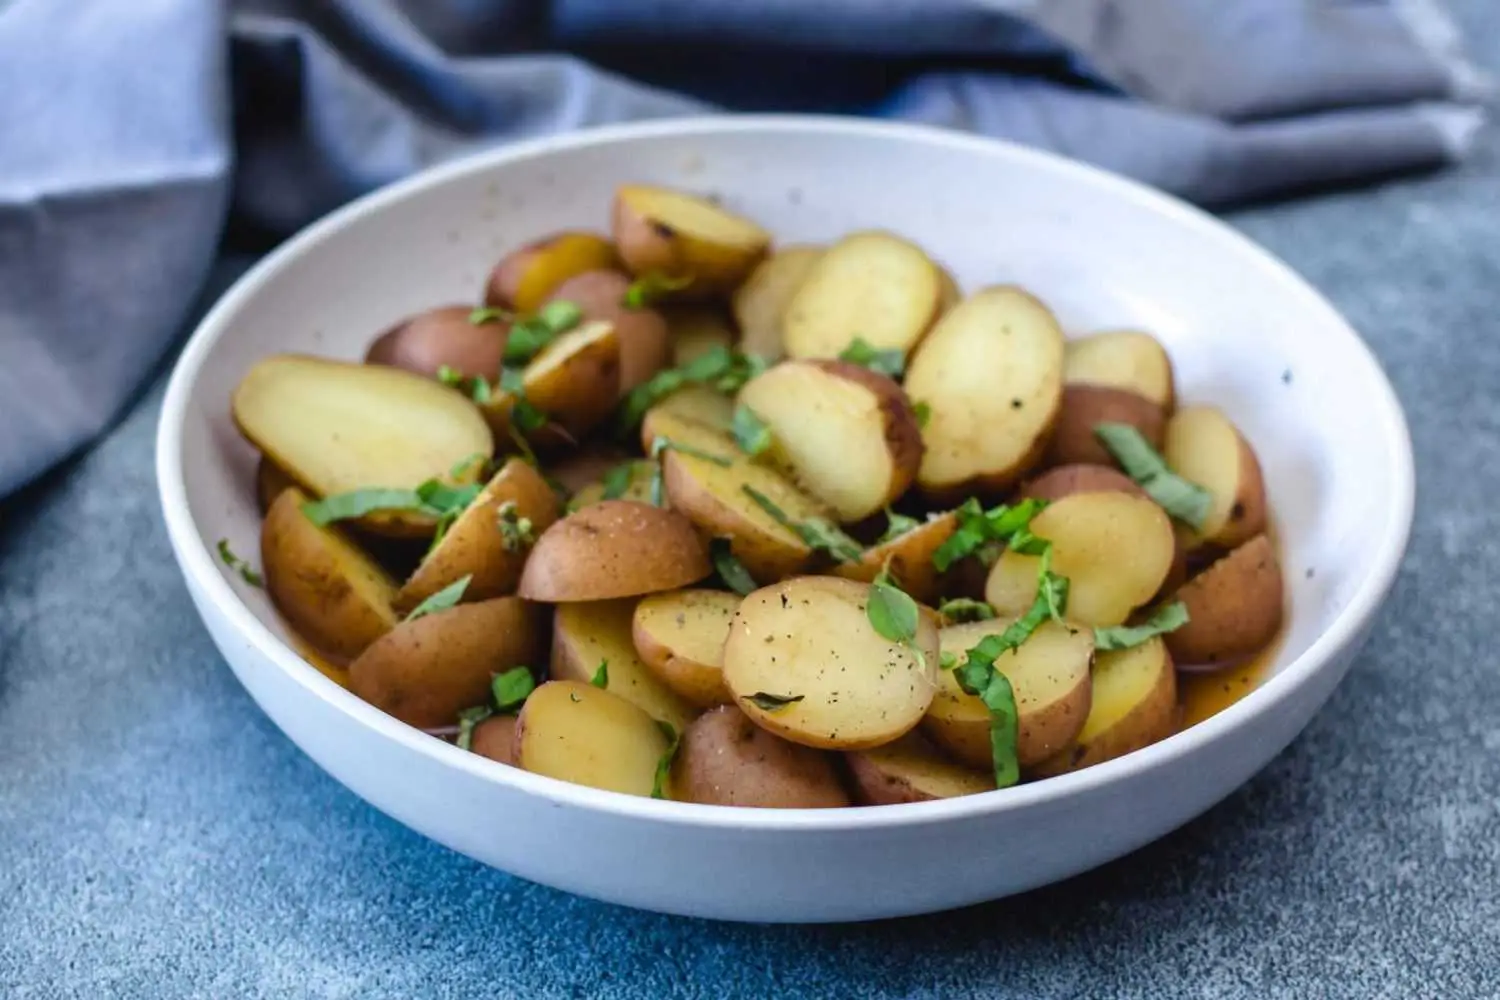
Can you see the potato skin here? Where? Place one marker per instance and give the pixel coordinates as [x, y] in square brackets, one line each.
[1086, 406]
[649, 244]
[1151, 719]
[425, 672]
[525, 277]
[270, 480]
[884, 776]
[727, 760]
[1234, 607]
[495, 738]
[909, 556]
[1066, 480]
[645, 339]
[615, 548]
[427, 341]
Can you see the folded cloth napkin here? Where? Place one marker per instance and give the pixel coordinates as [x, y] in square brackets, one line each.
[130, 132]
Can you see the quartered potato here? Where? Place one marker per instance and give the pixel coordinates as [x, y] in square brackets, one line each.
[870, 285]
[1049, 676]
[990, 374]
[1122, 359]
[843, 433]
[1114, 548]
[476, 547]
[695, 331]
[576, 732]
[329, 591]
[908, 556]
[336, 427]
[760, 303]
[586, 635]
[1204, 447]
[804, 662]
[910, 770]
[1234, 607]
[637, 486]
[645, 343]
[441, 338]
[1066, 480]
[726, 760]
[614, 548]
[1085, 407]
[1134, 705]
[427, 670]
[680, 636]
[525, 278]
[675, 235]
[695, 404]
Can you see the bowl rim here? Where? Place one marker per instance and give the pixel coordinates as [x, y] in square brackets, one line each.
[201, 570]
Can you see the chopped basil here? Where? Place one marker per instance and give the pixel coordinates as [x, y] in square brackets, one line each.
[1168, 619]
[516, 532]
[947, 660]
[896, 526]
[489, 314]
[977, 527]
[861, 352]
[963, 609]
[239, 565]
[450, 376]
[439, 496]
[442, 600]
[923, 412]
[523, 446]
[1188, 502]
[467, 720]
[464, 466]
[527, 338]
[358, 503]
[893, 614]
[649, 288]
[768, 702]
[664, 764]
[480, 390]
[617, 480]
[815, 531]
[719, 368]
[733, 572]
[751, 433]
[601, 675]
[511, 689]
[523, 414]
[978, 676]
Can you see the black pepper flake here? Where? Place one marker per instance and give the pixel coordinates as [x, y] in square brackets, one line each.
[663, 230]
[1016, 404]
[785, 603]
[1237, 511]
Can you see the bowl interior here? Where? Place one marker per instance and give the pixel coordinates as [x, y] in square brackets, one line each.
[1242, 331]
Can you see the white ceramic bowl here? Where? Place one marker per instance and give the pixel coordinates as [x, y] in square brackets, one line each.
[1242, 329]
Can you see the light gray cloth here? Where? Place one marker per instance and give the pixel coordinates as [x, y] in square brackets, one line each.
[131, 131]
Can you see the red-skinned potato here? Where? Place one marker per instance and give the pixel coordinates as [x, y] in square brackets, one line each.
[1203, 446]
[525, 278]
[671, 234]
[726, 760]
[495, 738]
[440, 338]
[1066, 480]
[1234, 607]
[1085, 407]
[760, 303]
[616, 548]
[645, 340]
[908, 556]
[1133, 704]
[911, 770]
[680, 636]
[1122, 359]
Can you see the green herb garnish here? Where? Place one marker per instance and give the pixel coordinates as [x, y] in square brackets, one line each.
[239, 565]
[978, 527]
[963, 609]
[896, 526]
[358, 503]
[617, 480]
[947, 660]
[978, 676]
[1188, 502]
[664, 764]
[464, 466]
[660, 444]
[861, 352]
[1168, 619]
[442, 600]
[816, 532]
[511, 688]
[719, 368]
[733, 572]
[649, 289]
[450, 376]
[750, 432]
[516, 532]
[489, 314]
[601, 675]
[467, 720]
[523, 415]
[527, 338]
[893, 614]
[924, 414]
[768, 702]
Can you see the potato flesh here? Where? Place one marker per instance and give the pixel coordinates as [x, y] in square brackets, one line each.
[1114, 548]
[990, 374]
[697, 405]
[694, 217]
[870, 285]
[585, 635]
[554, 262]
[637, 488]
[1121, 359]
[578, 733]
[760, 303]
[1203, 447]
[913, 771]
[680, 637]
[811, 637]
[1134, 705]
[696, 330]
[576, 378]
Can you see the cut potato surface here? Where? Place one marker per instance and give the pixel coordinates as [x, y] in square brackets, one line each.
[586, 467]
[910, 770]
[810, 639]
[525, 278]
[990, 374]
[614, 548]
[586, 635]
[681, 635]
[645, 343]
[1234, 607]
[336, 427]
[1204, 447]
[726, 760]
[870, 285]
[696, 330]
[576, 732]
[576, 378]
[637, 487]
[1134, 705]
[684, 415]
[1122, 359]
[1049, 676]
[672, 234]
[1066, 480]
[909, 558]
[760, 303]
[1114, 548]
[843, 433]
[1085, 407]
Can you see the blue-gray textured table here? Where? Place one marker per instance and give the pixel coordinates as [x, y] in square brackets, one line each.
[159, 839]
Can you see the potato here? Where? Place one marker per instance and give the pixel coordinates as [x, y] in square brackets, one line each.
[474, 546]
[1234, 607]
[336, 427]
[586, 467]
[697, 404]
[726, 760]
[269, 482]
[991, 375]
[680, 636]
[427, 670]
[909, 556]
[1049, 676]
[1122, 359]
[525, 278]
[1114, 548]
[1134, 705]
[575, 379]
[495, 738]
[695, 331]
[809, 639]
[576, 732]
[869, 285]
[585, 635]
[949, 294]
[760, 303]
[677, 235]
[910, 770]
[1066, 480]
[615, 548]
[440, 338]
[1085, 407]
[637, 487]
[330, 592]
[645, 343]
[842, 432]
[1203, 447]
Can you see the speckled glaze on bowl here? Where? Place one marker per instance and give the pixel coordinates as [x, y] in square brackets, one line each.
[1243, 330]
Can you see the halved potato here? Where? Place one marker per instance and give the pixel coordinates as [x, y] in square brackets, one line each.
[696, 330]
[645, 343]
[474, 546]
[760, 303]
[440, 338]
[1049, 676]
[678, 235]
[575, 380]
[910, 770]
[1204, 447]
[1134, 705]
[586, 466]
[1114, 548]
[842, 432]
[495, 738]
[680, 636]
[1122, 359]
[576, 732]
[425, 671]
[637, 487]
[331, 593]
[1085, 407]
[586, 635]
[524, 278]
[909, 556]
[695, 404]
[1234, 607]
[615, 548]
[949, 294]
[871, 285]
[336, 427]
[726, 760]
[808, 642]
[991, 375]
[1066, 480]
[269, 482]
